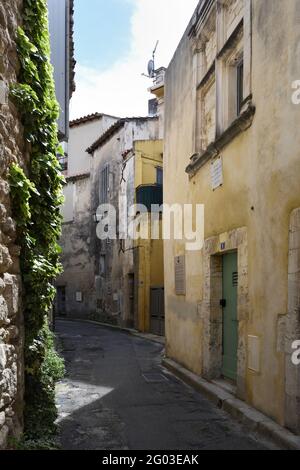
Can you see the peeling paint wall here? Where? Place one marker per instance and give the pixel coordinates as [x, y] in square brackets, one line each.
[126, 200]
[76, 286]
[148, 259]
[114, 289]
[81, 137]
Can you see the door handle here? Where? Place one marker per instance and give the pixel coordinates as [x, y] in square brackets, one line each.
[223, 303]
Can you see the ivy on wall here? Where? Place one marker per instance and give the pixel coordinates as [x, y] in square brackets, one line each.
[36, 200]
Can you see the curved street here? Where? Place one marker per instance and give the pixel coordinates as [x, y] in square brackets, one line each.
[116, 396]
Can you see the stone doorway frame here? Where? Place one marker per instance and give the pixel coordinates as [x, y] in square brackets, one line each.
[214, 248]
[292, 372]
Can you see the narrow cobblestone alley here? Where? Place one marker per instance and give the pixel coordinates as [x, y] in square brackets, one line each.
[116, 396]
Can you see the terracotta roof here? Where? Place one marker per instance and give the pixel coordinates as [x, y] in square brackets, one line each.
[114, 128]
[89, 118]
[106, 136]
[84, 119]
[79, 176]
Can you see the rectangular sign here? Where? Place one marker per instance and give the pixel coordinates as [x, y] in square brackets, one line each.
[216, 173]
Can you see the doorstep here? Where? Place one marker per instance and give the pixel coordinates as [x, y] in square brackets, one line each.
[225, 385]
[239, 410]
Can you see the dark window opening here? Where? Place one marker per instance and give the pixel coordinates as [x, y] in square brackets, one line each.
[103, 267]
[104, 185]
[240, 86]
[63, 161]
[159, 176]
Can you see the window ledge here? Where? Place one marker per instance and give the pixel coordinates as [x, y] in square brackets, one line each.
[232, 41]
[241, 124]
[208, 75]
[74, 178]
[70, 222]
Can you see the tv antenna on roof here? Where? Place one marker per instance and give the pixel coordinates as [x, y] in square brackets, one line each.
[151, 64]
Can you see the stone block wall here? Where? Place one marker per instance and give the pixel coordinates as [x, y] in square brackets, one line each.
[234, 13]
[12, 149]
[292, 379]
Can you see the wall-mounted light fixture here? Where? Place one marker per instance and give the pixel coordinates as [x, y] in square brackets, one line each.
[97, 218]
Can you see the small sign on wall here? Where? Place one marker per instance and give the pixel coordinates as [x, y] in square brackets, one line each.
[78, 296]
[216, 171]
[254, 353]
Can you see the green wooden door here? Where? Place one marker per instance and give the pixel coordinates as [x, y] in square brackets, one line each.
[230, 321]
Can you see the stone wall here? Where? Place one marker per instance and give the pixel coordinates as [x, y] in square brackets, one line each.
[292, 372]
[208, 111]
[233, 15]
[11, 150]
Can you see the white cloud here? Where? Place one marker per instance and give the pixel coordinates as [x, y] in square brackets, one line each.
[121, 90]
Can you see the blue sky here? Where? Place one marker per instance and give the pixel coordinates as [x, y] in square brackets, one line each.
[114, 40]
[96, 21]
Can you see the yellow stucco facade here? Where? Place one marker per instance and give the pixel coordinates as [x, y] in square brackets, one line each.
[251, 211]
[149, 263]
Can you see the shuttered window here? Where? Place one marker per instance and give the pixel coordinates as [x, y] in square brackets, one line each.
[180, 275]
[104, 185]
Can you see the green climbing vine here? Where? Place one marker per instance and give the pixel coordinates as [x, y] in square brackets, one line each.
[36, 200]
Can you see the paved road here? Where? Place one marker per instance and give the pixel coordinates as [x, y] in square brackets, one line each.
[116, 397]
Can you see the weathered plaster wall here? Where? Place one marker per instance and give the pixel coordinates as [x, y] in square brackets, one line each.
[11, 319]
[114, 286]
[76, 253]
[81, 137]
[126, 200]
[149, 269]
[109, 282]
[79, 160]
[79, 227]
[292, 325]
[232, 15]
[261, 189]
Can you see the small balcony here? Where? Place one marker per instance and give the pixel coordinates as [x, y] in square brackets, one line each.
[149, 195]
